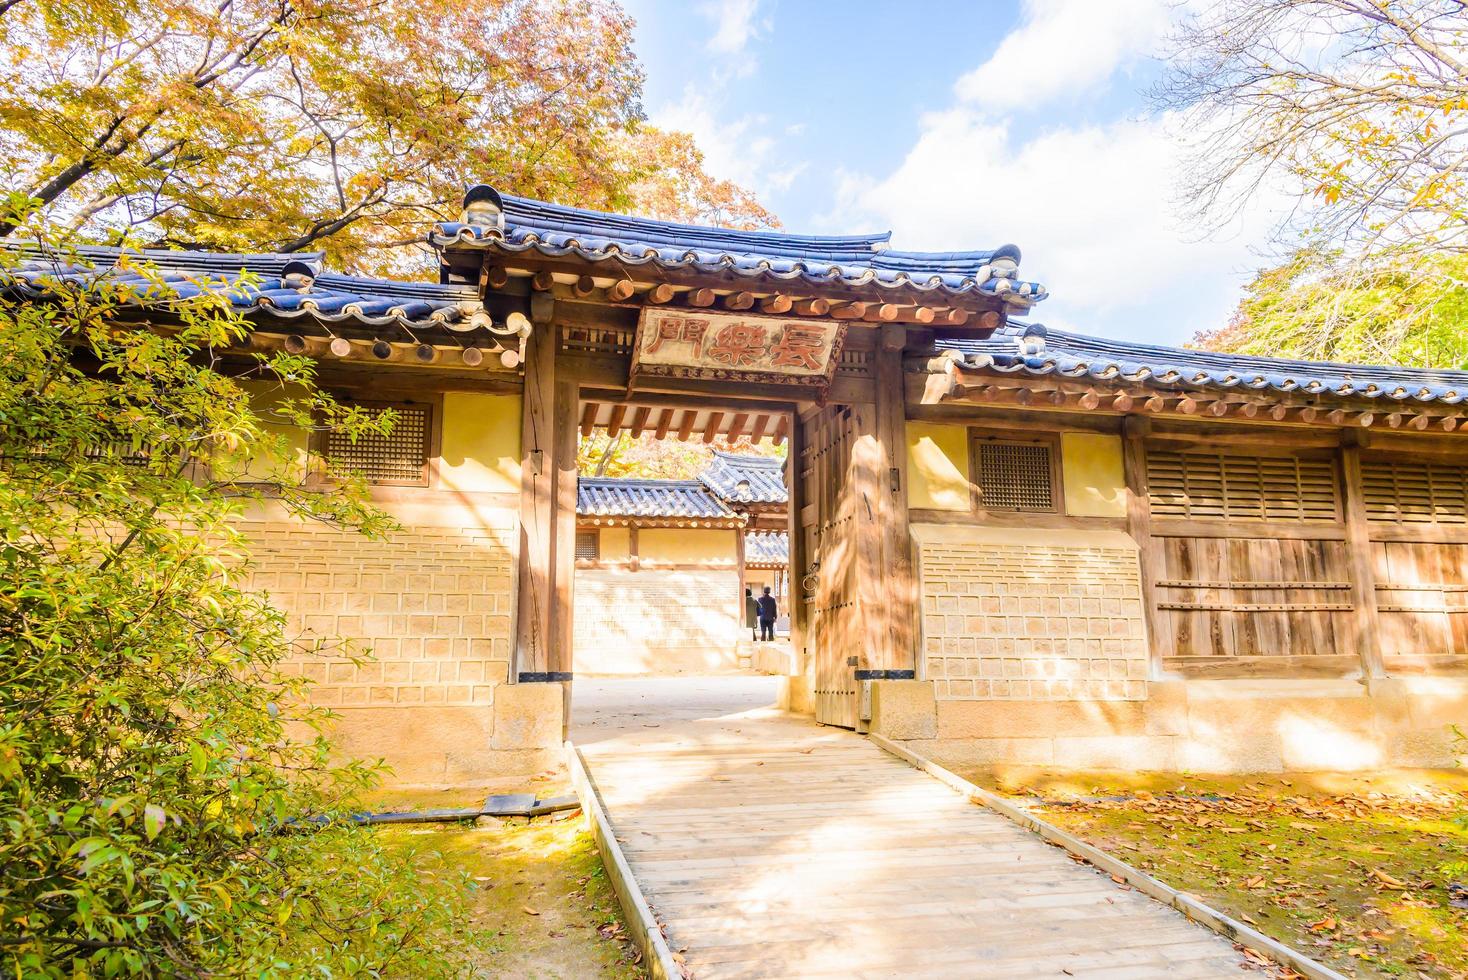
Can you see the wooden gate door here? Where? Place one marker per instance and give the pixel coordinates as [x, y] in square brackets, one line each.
[826, 523]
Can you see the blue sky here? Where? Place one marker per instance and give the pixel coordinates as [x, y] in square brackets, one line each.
[960, 125]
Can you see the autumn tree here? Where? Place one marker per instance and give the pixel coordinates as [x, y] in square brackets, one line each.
[343, 125]
[672, 184]
[158, 758]
[1384, 314]
[1355, 110]
[647, 457]
[1359, 106]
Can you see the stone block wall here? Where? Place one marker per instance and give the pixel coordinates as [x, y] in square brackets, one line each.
[658, 621]
[1032, 616]
[433, 606]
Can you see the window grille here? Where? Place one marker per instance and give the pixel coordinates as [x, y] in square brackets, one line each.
[588, 546]
[125, 453]
[400, 457]
[1016, 476]
[1218, 486]
[1404, 491]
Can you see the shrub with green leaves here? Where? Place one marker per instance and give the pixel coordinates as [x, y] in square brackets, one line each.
[151, 747]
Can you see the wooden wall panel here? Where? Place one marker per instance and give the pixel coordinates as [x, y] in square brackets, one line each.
[1253, 606]
[1422, 603]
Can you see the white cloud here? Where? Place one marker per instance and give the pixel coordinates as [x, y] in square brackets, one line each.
[1063, 47]
[1090, 205]
[740, 149]
[735, 24]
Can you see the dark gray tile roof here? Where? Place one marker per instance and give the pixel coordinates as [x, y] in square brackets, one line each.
[1019, 348]
[739, 479]
[768, 549]
[620, 497]
[274, 285]
[853, 260]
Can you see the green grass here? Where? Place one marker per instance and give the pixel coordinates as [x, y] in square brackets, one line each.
[1352, 870]
[540, 905]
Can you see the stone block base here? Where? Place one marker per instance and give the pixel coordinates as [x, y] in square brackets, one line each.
[904, 710]
[1193, 726]
[439, 746]
[770, 658]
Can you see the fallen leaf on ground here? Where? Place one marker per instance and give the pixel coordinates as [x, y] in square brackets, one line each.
[529, 911]
[1387, 879]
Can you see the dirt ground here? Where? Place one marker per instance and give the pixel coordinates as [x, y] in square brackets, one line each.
[1368, 874]
[542, 908]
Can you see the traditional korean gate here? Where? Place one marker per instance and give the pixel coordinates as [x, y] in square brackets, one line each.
[827, 524]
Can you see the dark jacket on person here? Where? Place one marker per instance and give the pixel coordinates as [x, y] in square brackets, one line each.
[768, 609]
[751, 610]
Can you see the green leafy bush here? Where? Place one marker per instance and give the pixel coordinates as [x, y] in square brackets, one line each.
[152, 749]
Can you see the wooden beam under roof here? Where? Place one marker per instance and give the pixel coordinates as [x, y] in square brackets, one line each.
[538, 265]
[975, 386]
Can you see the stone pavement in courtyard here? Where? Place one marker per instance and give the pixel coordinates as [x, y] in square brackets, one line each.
[770, 846]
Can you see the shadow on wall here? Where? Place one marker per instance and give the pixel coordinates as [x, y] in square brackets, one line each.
[660, 621]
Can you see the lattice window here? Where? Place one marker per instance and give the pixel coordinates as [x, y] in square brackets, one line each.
[124, 452]
[1406, 491]
[1016, 475]
[588, 546]
[399, 458]
[1218, 486]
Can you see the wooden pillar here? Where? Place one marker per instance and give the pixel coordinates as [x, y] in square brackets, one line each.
[1139, 525]
[563, 548]
[533, 638]
[866, 492]
[798, 557]
[902, 607]
[739, 559]
[1363, 635]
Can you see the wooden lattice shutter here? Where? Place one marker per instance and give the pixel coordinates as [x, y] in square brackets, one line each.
[588, 545]
[1221, 486]
[1409, 491]
[400, 457]
[1016, 475]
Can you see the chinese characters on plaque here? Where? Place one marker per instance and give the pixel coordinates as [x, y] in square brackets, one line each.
[680, 343]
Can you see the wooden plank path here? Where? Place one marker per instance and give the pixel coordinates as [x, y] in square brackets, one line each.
[770, 846]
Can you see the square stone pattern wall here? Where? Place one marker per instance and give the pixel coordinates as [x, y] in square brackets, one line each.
[1011, 622]
[432, 604]
[656, 621]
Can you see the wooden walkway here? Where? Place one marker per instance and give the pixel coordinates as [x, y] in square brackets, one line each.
[770, 846]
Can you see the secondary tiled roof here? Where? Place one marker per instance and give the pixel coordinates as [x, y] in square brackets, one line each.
[767, 549]
[270, 285]
[621, 497]
[1019, 348]
[853, 260]
[739, 479]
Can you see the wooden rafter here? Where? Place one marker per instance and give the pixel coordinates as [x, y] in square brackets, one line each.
[685, 430]
[639, 421]
[615, 425]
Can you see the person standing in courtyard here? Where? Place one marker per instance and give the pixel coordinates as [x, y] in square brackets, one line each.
[768, 610]
[751, 613]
